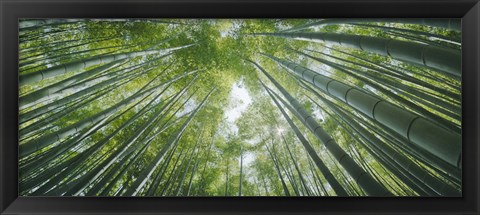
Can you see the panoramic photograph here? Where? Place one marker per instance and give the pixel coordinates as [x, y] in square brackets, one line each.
[240, 107]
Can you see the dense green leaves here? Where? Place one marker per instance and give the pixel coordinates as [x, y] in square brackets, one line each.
[193, 107]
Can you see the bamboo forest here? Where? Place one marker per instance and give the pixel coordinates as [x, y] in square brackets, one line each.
[240, 107]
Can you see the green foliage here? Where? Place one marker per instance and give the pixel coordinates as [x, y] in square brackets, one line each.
[238, 122]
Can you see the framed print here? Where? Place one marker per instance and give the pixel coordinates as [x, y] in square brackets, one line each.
[239, 107]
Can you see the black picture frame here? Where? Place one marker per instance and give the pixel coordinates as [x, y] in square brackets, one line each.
[11, 11]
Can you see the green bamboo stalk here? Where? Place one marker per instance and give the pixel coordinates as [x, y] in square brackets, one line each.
[146, 173]
[398, 87]
[450, 40]
[371, 186]
[297, 168]
[399, 142]
[419, 131]
[408, 166]
[127, 147]
[397, 75]
[152, 190]
[184, 173]
[47, 91]
[444, 60]
[284, 185]
[46, 140]
[32, 77]
[83, 156]
[451, 24]
[318, 161]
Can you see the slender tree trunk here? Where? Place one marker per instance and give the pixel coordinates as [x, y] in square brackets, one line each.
[145, 175]
[75, 187]
[152, 190]
[398, 158]
[226, 180]
[398, 87]
[295, 164]
[323, 168]
[371, 186]
[184, 173]
[167, 183]
[420, 131]
[241, 174]
[47, 91]
[46, 140]
[451, 24]
[393, 73]
[451, 40]
[202, 187]
[284, 185]
[32, 77]
[444, 60]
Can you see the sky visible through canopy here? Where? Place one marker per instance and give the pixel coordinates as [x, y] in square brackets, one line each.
[240, 107]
